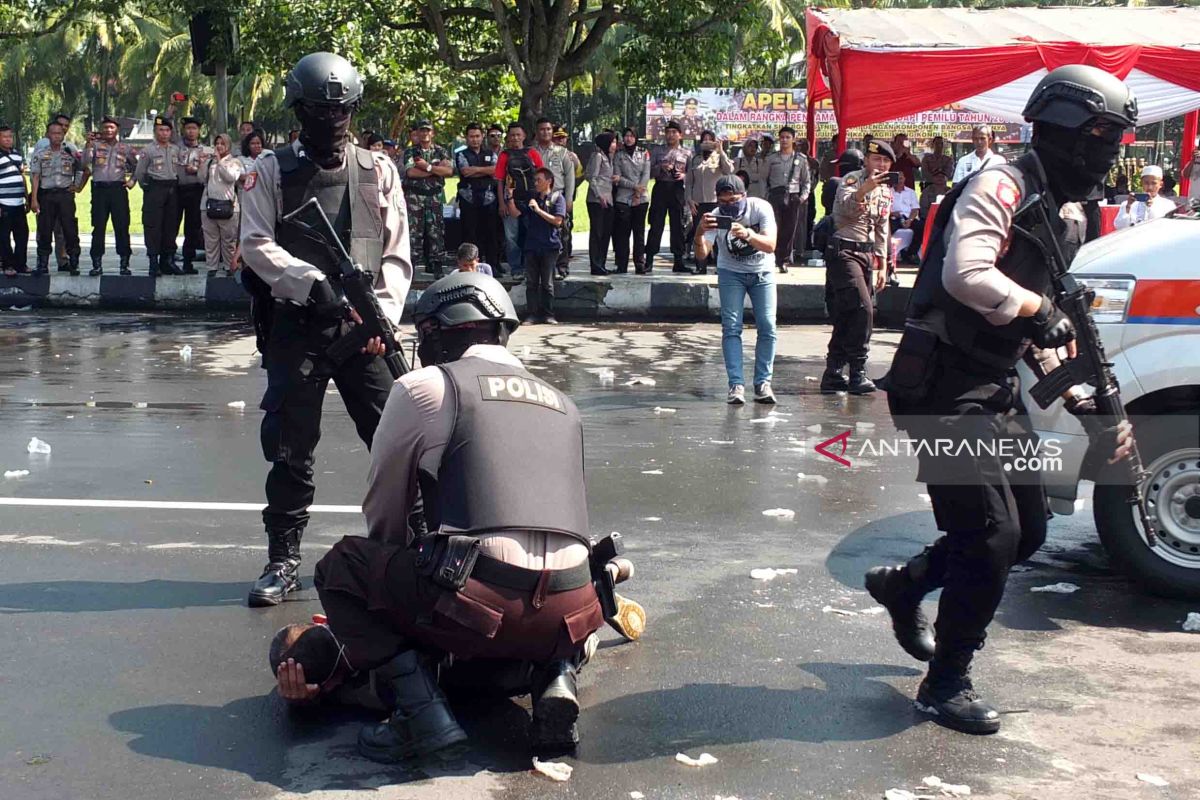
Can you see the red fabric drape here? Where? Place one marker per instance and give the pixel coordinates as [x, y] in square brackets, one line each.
[1190, 123]
[1116, 60]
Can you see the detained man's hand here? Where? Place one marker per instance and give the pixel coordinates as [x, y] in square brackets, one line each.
[1125, 442]
[292, 686]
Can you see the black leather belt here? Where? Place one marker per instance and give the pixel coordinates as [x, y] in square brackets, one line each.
[107, 184]
[498, 573]
[854, 247]
[162, 182]
[53, 191]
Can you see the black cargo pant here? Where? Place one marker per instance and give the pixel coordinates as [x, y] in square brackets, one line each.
[159, 221]
[193, 227]
[57, 207]
[992, 511]
[298, 373]
[110, 200]
[848, 294]
[481, 227]
[629, 222]
[666, 200]
[14, 238]
[790, 213]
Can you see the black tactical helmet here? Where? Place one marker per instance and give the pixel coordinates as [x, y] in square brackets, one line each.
[850, 160]
[1075, 95]
[463, 297]
[323, 79]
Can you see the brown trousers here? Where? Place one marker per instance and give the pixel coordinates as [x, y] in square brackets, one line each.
[377, 606]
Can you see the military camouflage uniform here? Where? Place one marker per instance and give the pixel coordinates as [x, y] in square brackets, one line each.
[425, 198]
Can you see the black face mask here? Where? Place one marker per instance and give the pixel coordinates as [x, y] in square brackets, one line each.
[1076, 162]
[324, 131]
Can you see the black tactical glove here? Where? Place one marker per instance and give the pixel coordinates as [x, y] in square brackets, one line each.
[321, 293]
[1052, 328]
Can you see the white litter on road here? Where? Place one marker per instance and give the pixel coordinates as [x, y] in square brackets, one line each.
[636, 796]
[1153, 780]
[905, 794]
[811, 378]
[813, 428]
[638, 380]
[185, 352]
[554, 770]
[781, 513]
[16, 473]
[141, 404]
[652, 472]
[1057, 588]
[719, 441]
[651, 519]
[923, 497]
[873, 610]
[36, 445]
[20, 308]
[239, 404]
[765, 420]
[661, 410]
[841, 612]
[948, 789]
[704, 760]
[769, 573]
[819, 480]
[1192, 623]
[864, 426]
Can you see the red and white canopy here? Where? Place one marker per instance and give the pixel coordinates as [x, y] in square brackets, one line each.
[878, 65]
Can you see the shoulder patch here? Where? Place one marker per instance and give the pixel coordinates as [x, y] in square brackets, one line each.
[849, 180]
[251, 181]
[515, 389]
[1007, 193]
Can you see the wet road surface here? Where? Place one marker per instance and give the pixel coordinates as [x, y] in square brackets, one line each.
[132, 668]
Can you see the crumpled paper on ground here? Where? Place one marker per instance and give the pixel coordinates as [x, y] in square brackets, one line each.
[661, 410]
[781, 513]
[703, 761]
[1153, 780]
[36, 445]
[770, 574]
[639, 380]
[554, 770]
[1057, 588]
[16, 473]
[237, 404]
[948, 789]
[1192, 623]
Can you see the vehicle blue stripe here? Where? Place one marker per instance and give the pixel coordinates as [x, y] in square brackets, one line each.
[1164, 320]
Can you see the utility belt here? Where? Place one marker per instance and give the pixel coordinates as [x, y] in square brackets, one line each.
[922, 356]
[450, 560]
[837, 245]
[160, 183]
[108, 184]
[63, 190]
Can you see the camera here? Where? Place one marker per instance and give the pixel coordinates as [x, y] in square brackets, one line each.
[723, 223]
[178, 97]
[1141, 197]
[892, 179]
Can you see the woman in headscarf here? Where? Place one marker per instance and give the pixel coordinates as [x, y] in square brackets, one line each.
[631, 165]
[222, 172]
[601, 180]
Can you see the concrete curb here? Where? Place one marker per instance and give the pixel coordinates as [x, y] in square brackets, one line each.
[578, 299]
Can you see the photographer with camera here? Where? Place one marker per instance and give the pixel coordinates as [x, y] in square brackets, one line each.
[1147, 204]
[742, 230]
[859, 245]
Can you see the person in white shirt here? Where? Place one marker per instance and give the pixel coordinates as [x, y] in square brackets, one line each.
[905, 223]
[982, 157]
[1192, 172]
[1134, 211]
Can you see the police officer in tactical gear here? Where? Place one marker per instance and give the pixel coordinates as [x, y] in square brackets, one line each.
[299, 310]
[504, 574]
[980, 304]
[855, 268]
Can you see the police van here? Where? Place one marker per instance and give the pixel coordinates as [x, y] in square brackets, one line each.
[1146, 281]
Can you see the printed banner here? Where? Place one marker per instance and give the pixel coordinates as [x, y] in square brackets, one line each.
[740, 114]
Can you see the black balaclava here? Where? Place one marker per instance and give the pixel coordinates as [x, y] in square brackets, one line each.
[324, 132]
[1076, 161]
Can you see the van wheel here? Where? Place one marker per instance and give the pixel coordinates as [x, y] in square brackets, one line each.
[1170, 448]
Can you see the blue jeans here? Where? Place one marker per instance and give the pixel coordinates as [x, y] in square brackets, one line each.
[513, 243]
[733, 287]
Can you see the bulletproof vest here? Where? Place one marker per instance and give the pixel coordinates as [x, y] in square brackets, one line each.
[995, 346]
[514, 460]
[349, 197]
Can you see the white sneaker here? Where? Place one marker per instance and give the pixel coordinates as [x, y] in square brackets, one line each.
[737, 396]
[763, 393]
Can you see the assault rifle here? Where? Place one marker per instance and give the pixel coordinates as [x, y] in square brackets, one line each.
[358, 285]
[1090, 364]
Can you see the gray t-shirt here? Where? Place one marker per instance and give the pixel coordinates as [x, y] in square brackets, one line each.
[737, 255]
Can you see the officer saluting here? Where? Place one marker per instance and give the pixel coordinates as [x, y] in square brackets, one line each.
[110, 164]
[859, 245]
[156, 172]
[302, 310]
[980, 301]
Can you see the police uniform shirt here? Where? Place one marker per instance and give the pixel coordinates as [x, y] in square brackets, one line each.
[667, 158]
[416, 425]
[157, 162]
[1140, 212]
[109, 163]
[57, 168]
[972, 163]
[865, 221]
[557, 159]
[936, 170]
[780, 165]
[291, 278]
[191, 156]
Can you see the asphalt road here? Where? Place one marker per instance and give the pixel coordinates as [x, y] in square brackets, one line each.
[131, 667]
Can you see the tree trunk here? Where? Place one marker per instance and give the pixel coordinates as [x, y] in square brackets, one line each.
[533, 101]
[221, 111]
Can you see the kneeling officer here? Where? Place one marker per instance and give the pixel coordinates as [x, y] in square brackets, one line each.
[506, 573]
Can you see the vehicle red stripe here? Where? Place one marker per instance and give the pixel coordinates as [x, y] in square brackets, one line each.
[1166, 298]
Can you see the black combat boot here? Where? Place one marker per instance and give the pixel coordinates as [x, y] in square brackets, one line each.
[421, 722]
[97, 267]
[833, 379]
[280, 577]
[680, 267]
[899, 591]
[125, 266]
[43, 265]
[166, 266]
[859, 382]
[948, 696]
[555, 709]
[189, 265]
